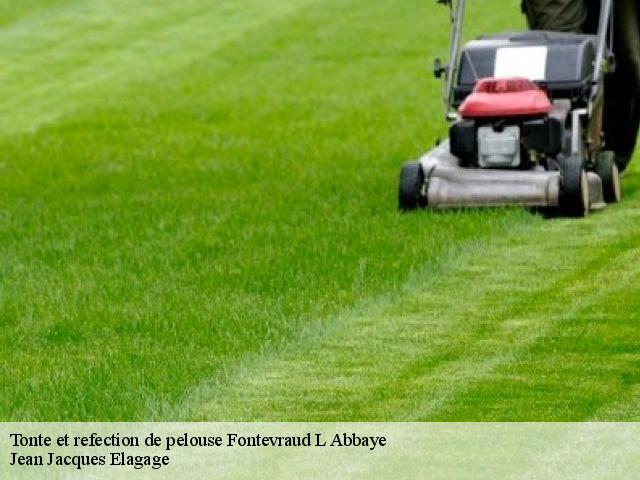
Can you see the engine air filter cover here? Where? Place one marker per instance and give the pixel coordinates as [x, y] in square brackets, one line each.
[499, 149]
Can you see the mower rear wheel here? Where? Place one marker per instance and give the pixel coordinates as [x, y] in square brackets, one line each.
[410, 194]
[574, 191]
[607, 170]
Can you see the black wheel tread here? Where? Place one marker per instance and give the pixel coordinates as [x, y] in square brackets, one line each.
[411, 183]
[572, 195]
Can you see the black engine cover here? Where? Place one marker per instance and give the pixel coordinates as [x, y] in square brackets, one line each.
[463, 140]
[567, 62]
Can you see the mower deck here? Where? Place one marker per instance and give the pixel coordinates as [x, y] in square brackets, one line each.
[447, 184]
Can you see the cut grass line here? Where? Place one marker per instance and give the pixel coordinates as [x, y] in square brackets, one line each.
[12, 12]
[440, 263]
[85, 53]
[624, 408]
[418, 361]
[567, 298]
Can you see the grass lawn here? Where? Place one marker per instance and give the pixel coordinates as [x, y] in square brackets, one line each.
[198, 221]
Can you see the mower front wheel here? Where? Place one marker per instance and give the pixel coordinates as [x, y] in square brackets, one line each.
[607, 170]
[574, 191]
[410, 195]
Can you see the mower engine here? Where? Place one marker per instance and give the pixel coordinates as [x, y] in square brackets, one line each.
[500, 83]
[508, 123]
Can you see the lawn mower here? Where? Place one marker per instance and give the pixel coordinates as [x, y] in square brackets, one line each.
[525, 123]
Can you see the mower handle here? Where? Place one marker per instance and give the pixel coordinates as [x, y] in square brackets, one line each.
[451, 68]
[604, 27]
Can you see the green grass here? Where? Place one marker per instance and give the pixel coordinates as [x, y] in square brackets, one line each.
[197, 221]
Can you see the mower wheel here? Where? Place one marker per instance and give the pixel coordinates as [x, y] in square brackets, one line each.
[411, 182]
[574, 191]
[608, 172]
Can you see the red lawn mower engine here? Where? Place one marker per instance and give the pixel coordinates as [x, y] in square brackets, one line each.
[514, 94]
[507, 123]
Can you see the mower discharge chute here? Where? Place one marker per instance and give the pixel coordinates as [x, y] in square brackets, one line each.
[525, 114]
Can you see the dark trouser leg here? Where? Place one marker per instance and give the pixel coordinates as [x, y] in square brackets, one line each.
[622, 90]
[556, 15]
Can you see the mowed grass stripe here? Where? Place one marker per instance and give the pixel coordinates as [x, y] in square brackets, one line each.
[11, 11]
[61, 59]
[536, 324]
[153, 237]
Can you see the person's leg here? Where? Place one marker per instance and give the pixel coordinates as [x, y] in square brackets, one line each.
[556, 15]
[622, 89]
[593, 16]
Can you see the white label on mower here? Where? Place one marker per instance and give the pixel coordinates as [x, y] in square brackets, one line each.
[527, 62]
